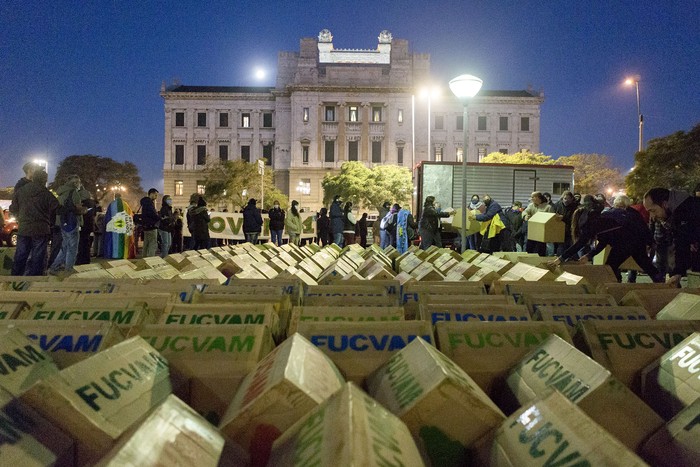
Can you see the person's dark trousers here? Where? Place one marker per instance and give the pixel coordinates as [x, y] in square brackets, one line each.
[30, 256]
[534, 246]
[56, 242]
[252, 237]
[276, 237]
[489, 245]
[84, 247]
[429, 238]
[619, 254]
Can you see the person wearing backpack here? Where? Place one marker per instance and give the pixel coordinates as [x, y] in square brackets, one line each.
[380, 224]
[69, 218]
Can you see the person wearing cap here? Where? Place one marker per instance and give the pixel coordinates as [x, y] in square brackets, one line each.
[69, 221]
[252, 222]
[151, 221]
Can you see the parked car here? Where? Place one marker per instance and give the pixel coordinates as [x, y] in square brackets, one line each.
[8, 235]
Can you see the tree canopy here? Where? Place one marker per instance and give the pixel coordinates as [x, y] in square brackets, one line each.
[235, 182]
[524, 157]
[671, 161]
[593, 173]
[368, 188]
[99, 175]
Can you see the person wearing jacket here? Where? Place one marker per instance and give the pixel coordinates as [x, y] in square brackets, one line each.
[337, 223]
[429, 224]
[349, 222]
[380, 234]
[198, 222]
[69, 221]
[151, 221]
[361, 230]
[165, 228]
[405, 229]
[293, 224]
[538, 203]
[564, 208]
[680, 213]
[252, 222]
[491, 210]
[323, 227]
[35, 208]
[474, 240]
[276, 223]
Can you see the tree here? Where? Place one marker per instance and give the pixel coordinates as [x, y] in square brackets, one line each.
[99, 175]
[524, 157]
[235, 182]
[593, 173]
[368, 188]
[672, 161]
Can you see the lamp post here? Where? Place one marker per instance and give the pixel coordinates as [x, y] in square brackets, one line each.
[464, 87]
[630, 81]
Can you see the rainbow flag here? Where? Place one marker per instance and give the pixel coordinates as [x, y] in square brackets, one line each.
[118, 241]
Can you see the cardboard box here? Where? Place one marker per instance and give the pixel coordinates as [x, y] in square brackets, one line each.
[526, 272]
[518, 290]
[10, 310]
[473, 226]
[358, 349]
[68, 343]
[545, 227]
[536, 300]
[22, 362]
[129, 315]
[594, 274]
[572, 315]
[676, 443]
[626, 347]
[176, 434]
[96, 287]
[619, 289]
[653, 300]
[465, 311]
[672, 383]
[350, 428]
[488, 350]
[213, 359]
[29, 439]
[628, 265]
[683, 306]
[97, 400]
[284, 386]
[552, 431]
[302, 314]
[556, 364]
[439, 403]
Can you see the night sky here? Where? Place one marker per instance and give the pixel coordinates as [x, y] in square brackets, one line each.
[84, 77]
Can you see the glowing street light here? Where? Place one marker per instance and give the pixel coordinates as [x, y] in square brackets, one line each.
[464, 87]
[634, 80]
[42, 163]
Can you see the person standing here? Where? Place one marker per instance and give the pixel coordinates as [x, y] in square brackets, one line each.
[390, 224]
[99, 231]
[538, 203]
[70, 220]
[429, 224]
[379, 233]
[177, 231]
[564, 209]
[86, 231]
[323, 227]
[151, 221]
[337, 223]
[293, 224]
[165, 228]
[493, 225]
[276, 223]
[361, 230]
[35, 207]
[405, 230]
[252, 222]
[198, 222]
[349, 222]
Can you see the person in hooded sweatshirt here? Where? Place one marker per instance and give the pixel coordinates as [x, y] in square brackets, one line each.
[323, 227]
[252, 221]
[276, 215]
[337, 222]
[293, 224]
[198, 222]
[680, 213]
[69, 221]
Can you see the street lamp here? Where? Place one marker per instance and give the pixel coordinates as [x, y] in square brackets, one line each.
[430, 92]
[464, 87]
[629, 82]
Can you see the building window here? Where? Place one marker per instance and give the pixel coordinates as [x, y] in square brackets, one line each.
[399, 155]
[438, 154]
[245, 153]
[353, 150]
[267, 120]
[460, 123]
[201, 154]
[201, 119]
[439, 122]
[353, 114]
[376, 152]
[223, 153]
[179, 187]
[503, 151]
[201, 187]
[376, 113]
[329, 153]
[503, 123]
[223, 119]
[304, 154]
[481, 123]
[481, 153]
[305, 187]
[245, 120]
[560, 187]
[330, 113]
[305, 114]
[179, 154]
[460, 154]
[179, 118]
[267, 153]
[400, 116]
[524, 123]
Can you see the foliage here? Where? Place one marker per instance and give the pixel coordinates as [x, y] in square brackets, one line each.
[593, 173]
[525, 157]
[368, 188]
[228, 180]
[99, 175]
[672, 161]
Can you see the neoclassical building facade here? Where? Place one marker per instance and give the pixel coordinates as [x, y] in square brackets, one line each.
[330, 106]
